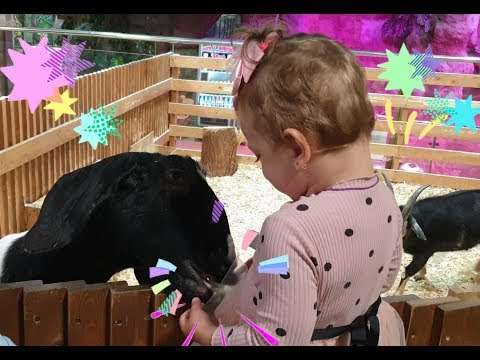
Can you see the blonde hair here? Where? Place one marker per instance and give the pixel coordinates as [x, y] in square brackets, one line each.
[309, 82]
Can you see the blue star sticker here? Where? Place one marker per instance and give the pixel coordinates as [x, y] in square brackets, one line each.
[90, 136]
[465, 115]
[97, 124]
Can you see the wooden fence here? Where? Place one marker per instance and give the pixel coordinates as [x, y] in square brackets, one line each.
[111, 314]
[77, 314]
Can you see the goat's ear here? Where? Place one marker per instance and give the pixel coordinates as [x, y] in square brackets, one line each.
[417, 229]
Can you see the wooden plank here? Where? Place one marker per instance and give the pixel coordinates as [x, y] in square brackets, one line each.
[445, 79]
[32, 211]
[163, 138]
[174, 98]
[197, 62]
[3, 207]
[27, 150]
[203, 111]
[116, 284]
[166, 329]
[460, 183]
[460, 323]
[380, 125]
[405, 151]
[467, 292]
[445, 132]
[11, 309]
[130, 323]
[399, 138]
[186, 131]
[202, 86]
[164, 150]
[398, 303]
[421, 328]
[44, 313]
[88, 315]
[144, 144]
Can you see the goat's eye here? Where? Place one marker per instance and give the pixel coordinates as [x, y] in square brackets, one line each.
[207, 278]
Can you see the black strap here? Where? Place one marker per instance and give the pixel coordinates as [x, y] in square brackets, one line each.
[364, 330]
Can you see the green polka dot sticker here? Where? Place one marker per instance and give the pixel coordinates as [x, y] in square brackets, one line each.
[97, 124]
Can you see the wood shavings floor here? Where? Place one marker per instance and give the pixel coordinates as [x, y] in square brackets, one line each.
[250, 198]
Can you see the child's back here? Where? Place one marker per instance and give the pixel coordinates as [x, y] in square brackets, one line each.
[341, 257]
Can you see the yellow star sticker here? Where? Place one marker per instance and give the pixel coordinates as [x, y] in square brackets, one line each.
[63, 107]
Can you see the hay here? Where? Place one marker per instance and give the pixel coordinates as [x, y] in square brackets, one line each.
[250, 198]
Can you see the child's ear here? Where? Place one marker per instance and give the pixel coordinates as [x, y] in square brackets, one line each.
[297, 142]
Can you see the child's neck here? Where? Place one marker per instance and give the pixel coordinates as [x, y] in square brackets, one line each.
[350, 163]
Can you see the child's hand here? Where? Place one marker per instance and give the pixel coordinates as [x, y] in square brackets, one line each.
[206, 328]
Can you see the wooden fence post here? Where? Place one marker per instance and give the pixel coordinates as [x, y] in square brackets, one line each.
[219, 151]
[174, 98]
[11, 309]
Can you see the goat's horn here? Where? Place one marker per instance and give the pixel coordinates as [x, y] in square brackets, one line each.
[388, 183]
[407, 209]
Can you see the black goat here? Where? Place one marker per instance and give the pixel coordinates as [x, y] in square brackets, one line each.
[443, 223]
[125, 211]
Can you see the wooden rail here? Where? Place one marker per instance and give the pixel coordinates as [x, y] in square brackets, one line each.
[115, 314]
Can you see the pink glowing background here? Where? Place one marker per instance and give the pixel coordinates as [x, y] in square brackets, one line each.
[448, 34]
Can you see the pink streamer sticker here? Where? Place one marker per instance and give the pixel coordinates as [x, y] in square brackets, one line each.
[190, 336]
[269, 338]
[222, 335]
[248, 238]
[174, 307]
[156, 314]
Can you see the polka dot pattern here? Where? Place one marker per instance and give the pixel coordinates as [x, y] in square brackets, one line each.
[287, 276]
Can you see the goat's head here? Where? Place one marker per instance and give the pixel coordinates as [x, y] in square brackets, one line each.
[409, 221]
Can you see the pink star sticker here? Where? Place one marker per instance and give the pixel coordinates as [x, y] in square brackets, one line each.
[30, 79]
[37, 53]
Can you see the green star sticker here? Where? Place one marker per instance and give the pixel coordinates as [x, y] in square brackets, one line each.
[97, 124]
[167, 303]
[399, 72]
[438, 107]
